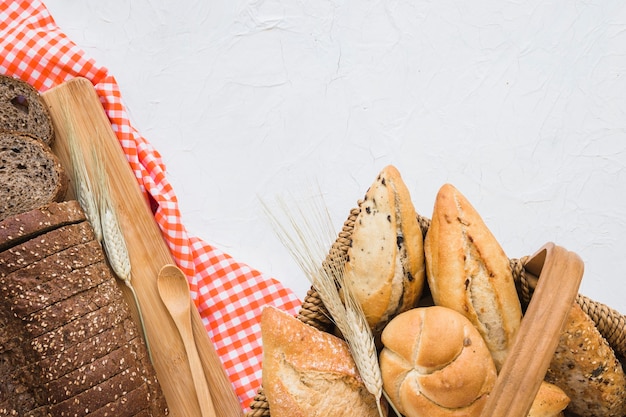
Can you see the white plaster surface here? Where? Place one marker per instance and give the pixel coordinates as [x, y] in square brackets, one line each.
[519, 104]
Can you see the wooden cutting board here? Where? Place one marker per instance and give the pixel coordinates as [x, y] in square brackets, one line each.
[75, 107]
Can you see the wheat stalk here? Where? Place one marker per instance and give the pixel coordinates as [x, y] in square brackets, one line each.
[94, 197]
[309, 241]
[113, 241]
[82, 184]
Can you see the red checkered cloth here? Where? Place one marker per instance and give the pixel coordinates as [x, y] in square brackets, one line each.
[229, 295]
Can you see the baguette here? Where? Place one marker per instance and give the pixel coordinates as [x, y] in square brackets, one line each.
[468, 271]
[385, 264]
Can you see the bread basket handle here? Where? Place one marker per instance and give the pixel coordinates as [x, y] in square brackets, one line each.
[560, 273]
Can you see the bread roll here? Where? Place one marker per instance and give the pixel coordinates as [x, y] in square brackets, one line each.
[435, 363]
[585, 367]
[550, 401]
[385, 263]
[468, 271]
[307, 372]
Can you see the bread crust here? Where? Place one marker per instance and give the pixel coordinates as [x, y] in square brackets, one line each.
[307, 372]
[468, 271]
[435, 363]
[385, 263]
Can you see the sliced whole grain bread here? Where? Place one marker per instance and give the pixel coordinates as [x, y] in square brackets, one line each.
[30, 173]
[23, 110]
[83, 353]
[72, 308]
[42, 246]
[70, 345]
[91, 374]
[22, 227]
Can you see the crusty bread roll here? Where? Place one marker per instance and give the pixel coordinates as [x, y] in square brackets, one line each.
[550, 401]
[435, 363]
[385, 265]
[307, 372]
[585, 367]
[468, 271]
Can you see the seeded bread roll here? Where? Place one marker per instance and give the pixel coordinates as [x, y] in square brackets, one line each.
[469, 272]
[435, 364]
[385, 263]
[23, 110]
[307, 372]
[585, 367]
[30, 174]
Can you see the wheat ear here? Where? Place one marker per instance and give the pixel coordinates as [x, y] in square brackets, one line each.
[82, 184]
[113, 240]
[313, 235]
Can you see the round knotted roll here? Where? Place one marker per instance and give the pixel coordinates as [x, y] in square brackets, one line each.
[435, 363]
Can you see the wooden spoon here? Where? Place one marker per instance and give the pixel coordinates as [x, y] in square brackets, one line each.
[174, 291]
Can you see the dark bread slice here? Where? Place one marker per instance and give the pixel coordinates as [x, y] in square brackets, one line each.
[141, 405]
[72, 308]
[23, 110]
[74, 332]
[30, 173]
[100, 395]
[47, 268]
[8, 339]
[69, 385]
[12, 388]
[44, 245]
[83, 353]
[20, 228]
[26, 299]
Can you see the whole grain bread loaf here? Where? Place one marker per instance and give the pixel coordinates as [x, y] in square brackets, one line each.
[30, 173]
[23, 110]
[69, 343]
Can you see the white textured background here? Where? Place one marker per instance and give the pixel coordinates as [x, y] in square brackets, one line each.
[519, 104]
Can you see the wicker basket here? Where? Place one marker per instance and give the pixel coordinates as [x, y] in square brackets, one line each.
[609, 322]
